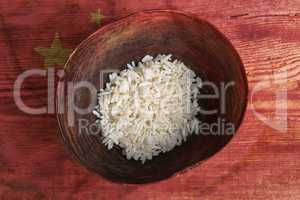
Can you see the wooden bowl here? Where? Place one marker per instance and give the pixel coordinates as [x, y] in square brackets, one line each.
[195, 42]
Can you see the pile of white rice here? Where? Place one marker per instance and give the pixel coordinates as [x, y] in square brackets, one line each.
[149, 108]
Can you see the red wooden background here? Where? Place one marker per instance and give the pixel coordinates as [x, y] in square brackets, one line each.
[259, 163]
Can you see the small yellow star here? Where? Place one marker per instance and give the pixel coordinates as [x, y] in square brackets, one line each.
[30, 2]
[55, 55]
[96, 17]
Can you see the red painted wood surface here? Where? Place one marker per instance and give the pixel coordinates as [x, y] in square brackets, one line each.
[259, 163]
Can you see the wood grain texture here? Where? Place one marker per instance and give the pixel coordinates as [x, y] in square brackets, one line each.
[259, 163]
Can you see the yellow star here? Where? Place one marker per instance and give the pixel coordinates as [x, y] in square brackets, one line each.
[30, 2]
[96, 17]
[55, 55]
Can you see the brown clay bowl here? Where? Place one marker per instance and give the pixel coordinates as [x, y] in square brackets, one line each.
[195, 42]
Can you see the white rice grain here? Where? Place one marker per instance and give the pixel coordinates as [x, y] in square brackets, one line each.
[150, 108]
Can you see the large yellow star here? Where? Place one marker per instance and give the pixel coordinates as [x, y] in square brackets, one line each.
[55, 55]
[96, 17]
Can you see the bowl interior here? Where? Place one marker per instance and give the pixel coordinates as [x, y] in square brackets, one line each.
[195, 42]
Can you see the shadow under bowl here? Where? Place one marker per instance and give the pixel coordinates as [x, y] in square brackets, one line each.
[195, 42]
